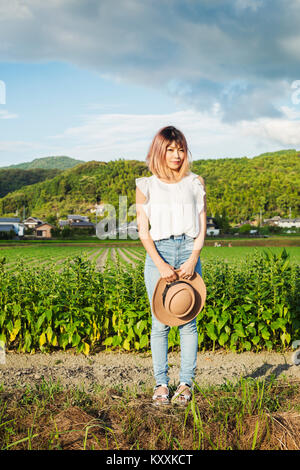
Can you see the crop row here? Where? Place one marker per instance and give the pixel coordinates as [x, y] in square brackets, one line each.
[47, 256]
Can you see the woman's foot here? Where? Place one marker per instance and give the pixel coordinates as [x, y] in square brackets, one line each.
[161, 395]
[182, 395]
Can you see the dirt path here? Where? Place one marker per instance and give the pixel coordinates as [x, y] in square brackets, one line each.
[100, 263]
[95, 254]
[133, 254]
[123, 255]
[133, 369]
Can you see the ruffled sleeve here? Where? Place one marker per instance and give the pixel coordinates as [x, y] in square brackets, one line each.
[143, 185]
[199, 193]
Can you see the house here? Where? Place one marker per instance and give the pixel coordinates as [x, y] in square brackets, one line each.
[284, 223]
[43, 230]
[32, 222]
[12, 223]
[74, 221]
[82, 224]
[211, 227]
[273, 221]
[289, 223]
[77, 219]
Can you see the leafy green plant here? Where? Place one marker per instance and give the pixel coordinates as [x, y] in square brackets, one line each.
[251, 306]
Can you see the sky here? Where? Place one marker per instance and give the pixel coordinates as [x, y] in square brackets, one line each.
[96, 79]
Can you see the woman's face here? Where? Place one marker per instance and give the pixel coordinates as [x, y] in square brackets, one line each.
[174, 156]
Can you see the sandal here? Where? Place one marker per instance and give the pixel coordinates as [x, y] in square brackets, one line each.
[181, 397]
[159, 398]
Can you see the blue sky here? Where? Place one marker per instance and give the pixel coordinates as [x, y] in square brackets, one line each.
[96, 79]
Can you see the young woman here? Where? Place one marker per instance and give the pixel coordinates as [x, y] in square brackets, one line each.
[173, 201]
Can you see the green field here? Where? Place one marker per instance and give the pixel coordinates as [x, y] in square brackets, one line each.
[239, 253]
[94, 297]
[42, 255]
[46, 255]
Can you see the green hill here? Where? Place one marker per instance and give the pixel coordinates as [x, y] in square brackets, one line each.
[47, 163]
[237, 187]
[15, 178]
[242, 187]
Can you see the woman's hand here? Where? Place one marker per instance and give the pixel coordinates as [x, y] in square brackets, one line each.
[167, 272]
[187, 269]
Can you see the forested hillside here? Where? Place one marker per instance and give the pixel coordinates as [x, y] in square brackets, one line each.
[13, 179]
[46, 163]
[238, 187]
[242, 187]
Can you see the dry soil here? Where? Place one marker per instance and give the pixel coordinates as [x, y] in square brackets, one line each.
[135, 369]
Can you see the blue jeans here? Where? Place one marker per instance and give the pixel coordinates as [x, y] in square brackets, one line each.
[175, 251]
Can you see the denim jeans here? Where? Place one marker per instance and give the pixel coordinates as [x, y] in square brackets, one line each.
[175, 251]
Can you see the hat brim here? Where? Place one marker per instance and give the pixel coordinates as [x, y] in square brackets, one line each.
[164, 316]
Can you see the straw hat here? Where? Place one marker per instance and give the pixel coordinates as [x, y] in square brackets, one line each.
[178, 302]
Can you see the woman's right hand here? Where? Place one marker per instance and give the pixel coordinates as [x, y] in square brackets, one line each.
[167, 272]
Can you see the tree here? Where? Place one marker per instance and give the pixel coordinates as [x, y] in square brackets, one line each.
[222, 222]
[51, 219]
[66, 231]
[245, 229]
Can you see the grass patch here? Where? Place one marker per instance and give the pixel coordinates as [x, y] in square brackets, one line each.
[249, 414]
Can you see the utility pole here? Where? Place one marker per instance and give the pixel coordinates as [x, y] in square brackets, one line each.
[260, 218]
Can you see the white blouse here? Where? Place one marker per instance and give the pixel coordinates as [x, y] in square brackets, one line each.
[172, 208]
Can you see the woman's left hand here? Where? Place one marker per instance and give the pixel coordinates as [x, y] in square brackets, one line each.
[187, 269]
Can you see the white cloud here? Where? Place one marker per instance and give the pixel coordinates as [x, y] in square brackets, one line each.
[229, 66]
[14, 10]
[208, 47]
[111, 136]
[284, 132]
[291, 45]
[4, 114]
[106, 137]
[290, 113]
[252, 4]
[19, 151]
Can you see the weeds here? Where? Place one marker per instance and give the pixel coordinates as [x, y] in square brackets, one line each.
[248, 414]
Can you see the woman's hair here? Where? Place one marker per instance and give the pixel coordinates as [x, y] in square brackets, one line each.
[156, 160]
